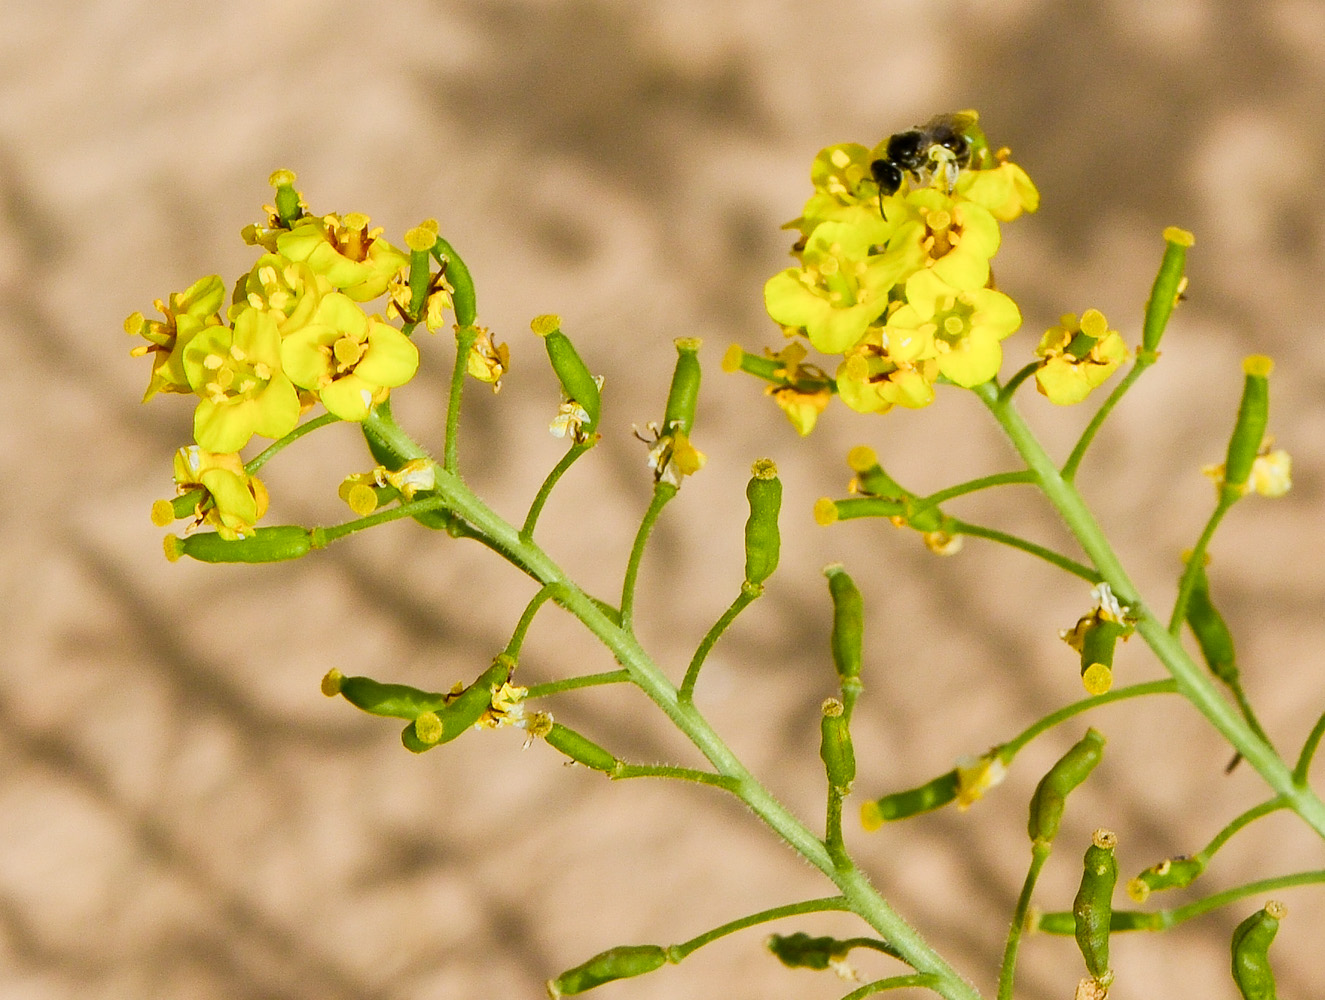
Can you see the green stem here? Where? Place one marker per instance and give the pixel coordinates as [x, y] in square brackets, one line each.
[1222, 837]
[1195, 562]
[1097, 421]
[1025, 545]
[1194, 682]
[545, 490]
[1014, 383]
[743, 600]
[975, 485]
[464, 341]
[571, 683]
[677, 952]
[662, 492]
[1008, 750]
[258, 461]
[409, 509]
[616, 635]
[546, 592]
[1309, 751]
[1039, 855]
[624, 770]
[837, 847]
[918, 979]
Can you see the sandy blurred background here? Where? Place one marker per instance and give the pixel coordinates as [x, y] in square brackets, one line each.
[182, 814]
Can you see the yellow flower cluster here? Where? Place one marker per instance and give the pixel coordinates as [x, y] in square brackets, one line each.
[897, 283]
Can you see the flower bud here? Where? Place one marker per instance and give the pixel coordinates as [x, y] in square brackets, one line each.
[621, 962]
[1050, 798]
[1168, 286]
[763, 541]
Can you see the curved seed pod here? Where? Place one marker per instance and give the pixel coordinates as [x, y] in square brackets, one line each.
[571, 372]
[1253, 416]
[763, 541]
[1171, 873]
[275, 544]
[1211, 632]
[460, 713]
[835, 748]
[1050, 798]
[463, 298]
[1169, 283]
[929, 796]
[579, 748]
[1251, 944]
[621, 962]
[683, 396]
[847, 638]
[1092, 909]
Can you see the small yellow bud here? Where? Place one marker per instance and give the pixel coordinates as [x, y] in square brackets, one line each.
[825, 510]
[870, 816]
[545, 324]
[281, 178]
[1179, 236]
[331, 682]
[163, 513]
[1257, 364]
[731, 361]
[420, 239]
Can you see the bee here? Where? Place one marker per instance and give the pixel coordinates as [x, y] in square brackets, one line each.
[943, 146]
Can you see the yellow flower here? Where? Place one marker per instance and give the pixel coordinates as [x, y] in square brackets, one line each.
[1005, 190]
[965, 326]
[1271, 471]
[186, 313]
[673, 457]
[488, 361]
[233, 501]
[346, 252]
[1077, 356]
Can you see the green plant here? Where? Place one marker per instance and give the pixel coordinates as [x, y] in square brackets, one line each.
[893, 278]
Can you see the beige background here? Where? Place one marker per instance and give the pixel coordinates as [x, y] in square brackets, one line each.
[183, 815]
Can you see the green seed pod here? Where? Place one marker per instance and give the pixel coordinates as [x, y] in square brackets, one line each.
[738, 359]
[929, 796]
[462, 712]
[1172, 873]
[399, 701]
[1093, 908]
[763, 542]
[1064, 923]
[870, 479]
[287, 206]
[1211, 632]
[1168, 286]
[274, 544]
[683, 396]
[1251, 960]
[1253, 416]
[463, 298]
[1098, 641]
[621, 962]
[579, 748]
[835, 748]
[847, 639]
[1050, 798]
[571, 372]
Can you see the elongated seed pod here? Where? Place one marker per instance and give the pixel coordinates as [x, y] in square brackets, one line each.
[683, 396]
[1211, 632]
[579, 748]
[1253, 417]
[459, 714]
[1171, 873]
[1251, 945]
[763, 540]
[571, 371]
[1092, 910]
[932, 795]
[621, 962]
[1064, 922]
[847, 638]
[275, 544]
[1168, 286]
[464, 299]
[1050, 798]
[396, 700]
[835, 748]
